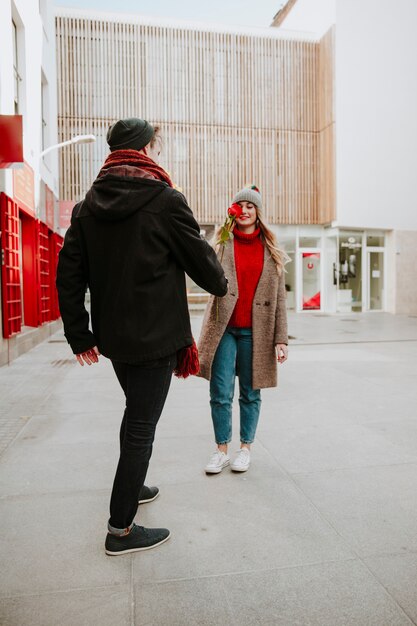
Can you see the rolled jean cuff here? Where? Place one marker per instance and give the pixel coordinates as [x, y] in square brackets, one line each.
[223, 443]
[247, 442]
[119, 532]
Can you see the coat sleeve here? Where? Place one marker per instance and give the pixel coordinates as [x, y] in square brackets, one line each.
[71, 282]
[281, 326]
[195, 255]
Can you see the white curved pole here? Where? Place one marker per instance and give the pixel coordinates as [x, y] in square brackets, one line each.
[74, 140]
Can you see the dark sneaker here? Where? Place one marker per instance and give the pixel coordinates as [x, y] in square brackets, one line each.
[138, 539]
[148, 494]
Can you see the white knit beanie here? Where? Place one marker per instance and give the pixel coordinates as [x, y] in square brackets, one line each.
[249, 194]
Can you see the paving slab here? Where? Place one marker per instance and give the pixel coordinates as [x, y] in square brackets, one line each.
[373, 508]
[86, 607]
[326, 594]
[55, 543]
[235, 523]
[398, 574]
[198, 602]
[35, 467]
[317, 448]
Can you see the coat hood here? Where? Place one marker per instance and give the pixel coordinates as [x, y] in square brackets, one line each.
[115, 198]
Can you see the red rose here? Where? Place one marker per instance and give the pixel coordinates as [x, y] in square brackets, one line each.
[235, 210]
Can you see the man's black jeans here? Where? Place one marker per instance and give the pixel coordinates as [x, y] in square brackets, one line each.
[146, 387]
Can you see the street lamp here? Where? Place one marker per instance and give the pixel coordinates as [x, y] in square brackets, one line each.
[74, 140]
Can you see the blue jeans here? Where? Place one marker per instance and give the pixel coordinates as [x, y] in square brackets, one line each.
[234, 358]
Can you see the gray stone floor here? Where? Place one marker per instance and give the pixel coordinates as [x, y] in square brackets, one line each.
[322, 530]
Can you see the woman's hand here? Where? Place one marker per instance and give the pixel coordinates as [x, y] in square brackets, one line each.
[281, 350]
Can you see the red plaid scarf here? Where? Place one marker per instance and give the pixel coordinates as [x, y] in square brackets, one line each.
[136, 159]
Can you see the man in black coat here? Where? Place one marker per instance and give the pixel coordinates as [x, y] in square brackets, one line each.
[130, 241]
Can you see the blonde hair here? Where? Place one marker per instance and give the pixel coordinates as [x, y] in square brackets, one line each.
[278, 255]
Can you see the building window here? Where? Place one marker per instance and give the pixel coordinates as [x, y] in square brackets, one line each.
[289, 246]
[375, 241]
[16, 74]
[44, 113]
[310, 242]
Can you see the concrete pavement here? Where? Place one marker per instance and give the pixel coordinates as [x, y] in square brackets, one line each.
[322, 530]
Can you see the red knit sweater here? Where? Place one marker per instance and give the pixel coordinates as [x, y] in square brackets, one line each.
[249, 262]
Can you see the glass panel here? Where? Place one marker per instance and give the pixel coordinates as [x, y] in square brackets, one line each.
[375, 240]
[311, 280]
[349, 273]
[44, 116]
[15, 69]
[290, 281]
[331, 277]
[376, 281]
[287, 244]
[310, 242]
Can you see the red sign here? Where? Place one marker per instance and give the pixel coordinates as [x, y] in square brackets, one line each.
[65, 212]
[24, 188]
[49, 207]
[312, 303]
[11, 140]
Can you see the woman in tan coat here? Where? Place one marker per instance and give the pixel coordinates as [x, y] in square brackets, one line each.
[244, 334]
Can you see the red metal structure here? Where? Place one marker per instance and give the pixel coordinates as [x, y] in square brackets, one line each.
[29, 269]
[56, 242]
[44, 274]
[29, 259]
[10, 267]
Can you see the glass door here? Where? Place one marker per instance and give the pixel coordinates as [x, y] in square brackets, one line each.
[311, 280]
[375, 280]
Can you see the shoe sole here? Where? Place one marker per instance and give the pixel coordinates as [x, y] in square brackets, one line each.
[217, 470]
[240, 469]
[120, 552]
[149, 500]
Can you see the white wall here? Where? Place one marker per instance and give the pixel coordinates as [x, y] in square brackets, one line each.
[376, 120]
[37, 48]
[50, 163]
[6, 79]
[376, 104]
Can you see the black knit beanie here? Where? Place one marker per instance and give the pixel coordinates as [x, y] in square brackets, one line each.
[130, 134]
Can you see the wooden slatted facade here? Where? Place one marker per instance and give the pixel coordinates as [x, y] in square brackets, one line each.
[234, 108]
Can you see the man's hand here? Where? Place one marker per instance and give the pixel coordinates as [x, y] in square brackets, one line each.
[281, 352]
[89, 357]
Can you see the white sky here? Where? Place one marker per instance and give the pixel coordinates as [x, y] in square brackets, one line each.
[232, 12]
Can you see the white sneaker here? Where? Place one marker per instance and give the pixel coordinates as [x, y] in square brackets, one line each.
[242, 460]
[218, 461]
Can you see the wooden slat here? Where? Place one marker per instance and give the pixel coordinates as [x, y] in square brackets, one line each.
[234, 109]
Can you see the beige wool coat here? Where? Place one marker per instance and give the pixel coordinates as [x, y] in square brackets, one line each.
[269, 320]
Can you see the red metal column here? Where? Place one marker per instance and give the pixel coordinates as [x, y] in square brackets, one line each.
[29, 266]
[44, 274]
[56, 242]
[10, 273]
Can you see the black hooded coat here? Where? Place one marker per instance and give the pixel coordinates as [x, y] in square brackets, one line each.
[130, 241]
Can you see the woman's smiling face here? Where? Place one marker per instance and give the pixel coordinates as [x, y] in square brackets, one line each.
[248, 217]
